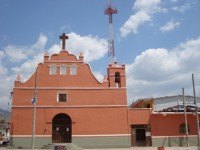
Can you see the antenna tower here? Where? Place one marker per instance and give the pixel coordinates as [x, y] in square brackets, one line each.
[110, 11]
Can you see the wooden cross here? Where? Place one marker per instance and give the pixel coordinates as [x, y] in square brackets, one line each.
[63, 37]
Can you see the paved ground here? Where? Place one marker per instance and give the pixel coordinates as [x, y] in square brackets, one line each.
[136, 148]
[152, 148]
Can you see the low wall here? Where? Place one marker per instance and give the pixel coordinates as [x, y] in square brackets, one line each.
[102, 142]
[26, 142]
[84, 142]
[172, 141]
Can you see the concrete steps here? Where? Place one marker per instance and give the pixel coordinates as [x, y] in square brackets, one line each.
[63, 146]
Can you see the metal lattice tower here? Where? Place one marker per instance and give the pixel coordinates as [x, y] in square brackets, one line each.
[110, 11]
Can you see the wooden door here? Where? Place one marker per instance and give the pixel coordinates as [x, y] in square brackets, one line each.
[140, 137]
[61, 129]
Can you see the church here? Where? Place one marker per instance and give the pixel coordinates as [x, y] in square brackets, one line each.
[63, 102]
[71, 104]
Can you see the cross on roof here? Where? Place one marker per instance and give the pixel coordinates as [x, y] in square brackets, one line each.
[63, 37]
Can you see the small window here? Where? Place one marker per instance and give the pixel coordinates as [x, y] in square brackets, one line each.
[62, 97]
[53, 70]
[73, 70]
[63, 70]
[182, 128]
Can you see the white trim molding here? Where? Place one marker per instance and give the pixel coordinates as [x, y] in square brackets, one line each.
[70, 88]
[72, 106]
[76, 135]
[27, 136]
[102, 135]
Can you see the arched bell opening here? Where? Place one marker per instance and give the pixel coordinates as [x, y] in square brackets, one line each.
[117, 79]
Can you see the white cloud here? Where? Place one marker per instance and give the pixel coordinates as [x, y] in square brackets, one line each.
[3, 69]
[40, 44]
[134, 22]
[147, 60]
[30, 55]
[170, 26]
[182, 8]
[99, 76]
[55, 49]
[161, 72]
[93, 48]
[144, 10]
[5, 86]
[149, 6]
[65, 27]
[15, 54]
[173, 1]
[22, 53]
[28, 67]
[2, 54]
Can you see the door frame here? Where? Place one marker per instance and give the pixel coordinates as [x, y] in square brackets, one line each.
[134, 130]
[61, 128]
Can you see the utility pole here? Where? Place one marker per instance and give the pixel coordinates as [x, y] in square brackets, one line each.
[34, 111]
[186, 123]
[196, 112]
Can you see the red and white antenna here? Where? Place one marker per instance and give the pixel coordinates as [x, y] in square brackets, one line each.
[110, 11]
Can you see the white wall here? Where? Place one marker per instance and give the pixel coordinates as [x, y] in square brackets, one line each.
[170, 101]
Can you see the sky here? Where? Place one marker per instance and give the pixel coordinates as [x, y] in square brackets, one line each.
[158, 40]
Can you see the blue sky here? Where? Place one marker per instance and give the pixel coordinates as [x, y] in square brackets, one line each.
[158, 40]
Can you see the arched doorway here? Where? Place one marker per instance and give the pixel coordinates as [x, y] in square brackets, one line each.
[61, 129]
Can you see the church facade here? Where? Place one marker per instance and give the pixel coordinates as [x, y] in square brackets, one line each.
[71, 105]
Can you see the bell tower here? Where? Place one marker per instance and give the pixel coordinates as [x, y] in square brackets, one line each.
[116, 75]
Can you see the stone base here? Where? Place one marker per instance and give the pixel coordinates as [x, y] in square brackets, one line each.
[102, 142]
[84, 142]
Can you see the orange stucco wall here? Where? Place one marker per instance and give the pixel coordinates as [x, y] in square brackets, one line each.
[75, 97]
[94, 107]
[139, 116]
[100, 121]
[168, 125]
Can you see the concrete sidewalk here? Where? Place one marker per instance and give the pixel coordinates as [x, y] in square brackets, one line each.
[133, 148]
[150, 148]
